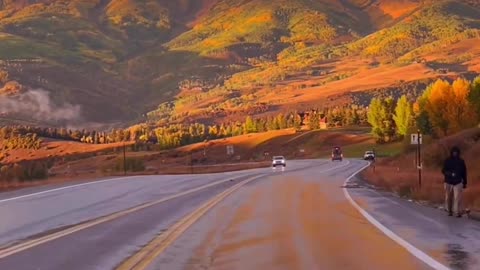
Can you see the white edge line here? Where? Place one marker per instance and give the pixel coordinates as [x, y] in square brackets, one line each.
[66, 187]
[409, 247]
[85, 184]
[73, 186]
[50, 237]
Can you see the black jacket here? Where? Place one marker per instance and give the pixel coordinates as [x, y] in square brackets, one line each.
[454, 169]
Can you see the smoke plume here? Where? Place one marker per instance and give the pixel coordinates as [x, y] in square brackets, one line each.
[37, 105]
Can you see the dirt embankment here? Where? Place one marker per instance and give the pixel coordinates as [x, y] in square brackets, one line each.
[401, 176]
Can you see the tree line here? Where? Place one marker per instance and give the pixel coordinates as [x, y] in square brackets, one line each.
[174, 135]
[443, 109]
[24, 172]
[11, 139]
[183, 134]
[85, 136]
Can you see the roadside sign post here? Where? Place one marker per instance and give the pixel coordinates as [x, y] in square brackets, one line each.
[230, 150]
[416, 139]
[124, 160]
[191, 162]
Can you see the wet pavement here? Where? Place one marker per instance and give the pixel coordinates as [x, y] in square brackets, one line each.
[297, 218]
[452, 241]
[299, 221]
[104, 246]
[27, 213]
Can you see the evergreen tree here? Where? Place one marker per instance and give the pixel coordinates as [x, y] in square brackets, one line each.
[474, 96]
[314, 121]
[297, 121]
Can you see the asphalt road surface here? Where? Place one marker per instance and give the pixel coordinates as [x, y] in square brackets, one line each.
[304, 217]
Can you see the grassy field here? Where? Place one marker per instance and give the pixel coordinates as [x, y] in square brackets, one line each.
[382, 150]
[59, 150]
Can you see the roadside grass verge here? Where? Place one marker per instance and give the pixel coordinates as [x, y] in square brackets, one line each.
[399, 175]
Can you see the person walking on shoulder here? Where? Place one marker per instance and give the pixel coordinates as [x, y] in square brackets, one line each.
[455, 173]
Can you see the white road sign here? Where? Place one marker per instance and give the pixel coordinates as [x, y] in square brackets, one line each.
[230, 150]
[416, 139]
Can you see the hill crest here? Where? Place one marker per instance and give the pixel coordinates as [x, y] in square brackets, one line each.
[212, 59]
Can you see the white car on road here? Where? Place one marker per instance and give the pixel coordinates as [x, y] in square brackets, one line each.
[279, 161]
[369, 155]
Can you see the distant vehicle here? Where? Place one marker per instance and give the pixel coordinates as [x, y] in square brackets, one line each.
[369, 155]
[337, 153]
[279, 161]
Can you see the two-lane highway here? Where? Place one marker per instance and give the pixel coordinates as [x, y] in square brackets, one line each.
[28, 217]
[299, 218]
[289, 221]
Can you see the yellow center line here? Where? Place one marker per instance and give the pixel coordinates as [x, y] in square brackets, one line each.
[144, 257]
[44, 239]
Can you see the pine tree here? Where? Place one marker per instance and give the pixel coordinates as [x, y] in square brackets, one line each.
[314, 121]
[474, 96]
[389, 123]
[297, 121]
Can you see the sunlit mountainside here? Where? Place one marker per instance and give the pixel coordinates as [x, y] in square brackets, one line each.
[128, 61]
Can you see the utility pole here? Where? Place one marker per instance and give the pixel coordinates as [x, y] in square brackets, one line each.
[191, 162]
[419, 158]
[124, 160]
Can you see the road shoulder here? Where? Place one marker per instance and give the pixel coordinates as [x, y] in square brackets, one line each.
[453, 242]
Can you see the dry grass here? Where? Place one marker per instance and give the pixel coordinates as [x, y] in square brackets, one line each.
[398, 8]
[56, 148]
[399, 174]
[404, 182]
[287, 94]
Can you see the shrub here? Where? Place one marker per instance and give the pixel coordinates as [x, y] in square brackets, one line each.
[25, 172]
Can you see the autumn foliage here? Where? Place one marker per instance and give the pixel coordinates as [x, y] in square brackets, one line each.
[448, 107]
[443, 109]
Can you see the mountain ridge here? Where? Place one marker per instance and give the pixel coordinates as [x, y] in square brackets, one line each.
[121, 59]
